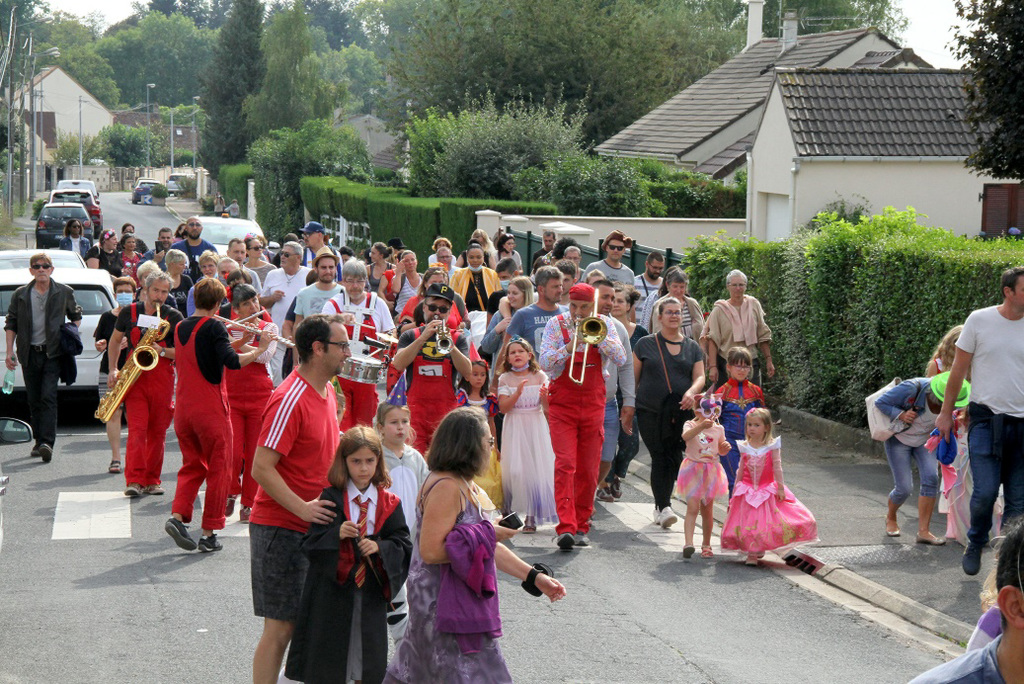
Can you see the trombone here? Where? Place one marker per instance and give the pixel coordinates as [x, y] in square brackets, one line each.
[592, 331]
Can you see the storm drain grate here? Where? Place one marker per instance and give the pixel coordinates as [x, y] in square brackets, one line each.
[803, 561]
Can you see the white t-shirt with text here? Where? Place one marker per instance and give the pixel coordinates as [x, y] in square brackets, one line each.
[997, 367]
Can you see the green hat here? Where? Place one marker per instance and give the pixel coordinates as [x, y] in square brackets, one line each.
[938, 387]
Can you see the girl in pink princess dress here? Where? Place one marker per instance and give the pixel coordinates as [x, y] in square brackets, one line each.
[763, 514]
[702, 478]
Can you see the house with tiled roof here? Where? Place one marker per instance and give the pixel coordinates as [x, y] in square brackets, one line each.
[872, 138]
[708, 126]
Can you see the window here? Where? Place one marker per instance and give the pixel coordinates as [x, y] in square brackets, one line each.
[1002, 208]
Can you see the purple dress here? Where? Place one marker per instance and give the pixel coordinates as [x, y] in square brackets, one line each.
[425, 655]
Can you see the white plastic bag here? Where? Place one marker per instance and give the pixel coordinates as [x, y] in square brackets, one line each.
[880, 425]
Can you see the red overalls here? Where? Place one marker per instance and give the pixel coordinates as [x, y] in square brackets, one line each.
[576, 421]
[249, 390]
[431, 393]
[360, 397]
[149, 406]
[203, 427]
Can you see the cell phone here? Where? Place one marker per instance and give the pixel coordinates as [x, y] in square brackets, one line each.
[511, 521]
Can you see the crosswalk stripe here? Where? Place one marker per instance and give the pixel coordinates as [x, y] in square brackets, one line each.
[92, 515]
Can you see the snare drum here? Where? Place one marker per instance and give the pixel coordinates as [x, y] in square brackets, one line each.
[361, 369]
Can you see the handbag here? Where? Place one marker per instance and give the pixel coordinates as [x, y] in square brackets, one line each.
[881, 426]
[671, 416]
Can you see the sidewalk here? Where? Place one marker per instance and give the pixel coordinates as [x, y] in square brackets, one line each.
[182, 208]
[847, 492]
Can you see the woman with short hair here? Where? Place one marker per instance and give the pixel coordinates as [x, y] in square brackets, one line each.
[176, 262]
[452, 518]
[737, 322]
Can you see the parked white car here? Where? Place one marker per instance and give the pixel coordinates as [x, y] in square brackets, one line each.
[78, 185]
[174, 182]
[12, 431]
[93, 292]
[17, 259]
[220, 231]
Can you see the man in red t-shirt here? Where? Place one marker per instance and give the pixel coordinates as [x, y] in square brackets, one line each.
[295, 449]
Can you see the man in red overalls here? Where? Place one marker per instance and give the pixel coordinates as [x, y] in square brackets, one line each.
[576, 412]
[365, 314]
[430, 375]
[150, 401]
[202, 421]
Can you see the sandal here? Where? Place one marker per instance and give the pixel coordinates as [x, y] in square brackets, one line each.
[705, 552]
[114, 468]
[529, 529]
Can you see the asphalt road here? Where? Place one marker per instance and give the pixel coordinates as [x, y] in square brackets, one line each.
[93, 590]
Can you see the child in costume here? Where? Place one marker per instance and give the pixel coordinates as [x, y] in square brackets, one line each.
[763, 514]
[357, 563]
[739, 395]
[408, 472]
[528, 460]
[701, 477]
[472, 392]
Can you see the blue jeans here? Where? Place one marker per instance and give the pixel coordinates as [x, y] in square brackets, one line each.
[629, 447]
[990, 469]
[900, 455]
[611, 431]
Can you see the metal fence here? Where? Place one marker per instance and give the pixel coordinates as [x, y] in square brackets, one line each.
[635, 257]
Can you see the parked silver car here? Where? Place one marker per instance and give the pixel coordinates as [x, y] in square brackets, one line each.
[12, 431]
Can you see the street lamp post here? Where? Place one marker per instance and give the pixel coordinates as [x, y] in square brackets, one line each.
[195, 147]
[149, 86]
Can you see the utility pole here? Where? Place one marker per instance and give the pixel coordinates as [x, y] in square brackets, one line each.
[149, 86]
[172, 141]
[80, 173]
[195, 146]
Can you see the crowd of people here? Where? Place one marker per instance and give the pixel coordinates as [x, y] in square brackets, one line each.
[368, 517]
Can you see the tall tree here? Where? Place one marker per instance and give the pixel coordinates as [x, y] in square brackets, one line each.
[236, 71]
[335, 17]
[293, 89]
[818, 16]
[991, 46]
[78, 57]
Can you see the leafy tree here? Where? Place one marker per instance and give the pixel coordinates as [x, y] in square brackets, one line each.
[282, 157]
[76, 37]
[992, 48]
[386, 23]
[835, 15]
[361, 74]
[582, 185]
[293, 89]
[165, 7]
[124, 145]
[66, 153]
[166, 50]
[335, 17]
[236, 71]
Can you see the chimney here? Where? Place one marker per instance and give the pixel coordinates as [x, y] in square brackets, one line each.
[755, 21]
[790, 24]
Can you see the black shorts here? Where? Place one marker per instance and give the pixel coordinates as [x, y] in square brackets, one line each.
[278, 568]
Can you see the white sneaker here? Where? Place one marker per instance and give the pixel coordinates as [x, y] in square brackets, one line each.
[667, 517]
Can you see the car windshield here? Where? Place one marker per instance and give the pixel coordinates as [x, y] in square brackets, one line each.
[66, 260]
[221, 233]
[93, 299]
[76, 196]
[64, 213]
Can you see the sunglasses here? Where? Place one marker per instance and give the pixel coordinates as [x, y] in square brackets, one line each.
[435, 308]
[40, 267]
[616, 248]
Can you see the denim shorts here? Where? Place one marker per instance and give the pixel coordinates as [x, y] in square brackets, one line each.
[278, 568]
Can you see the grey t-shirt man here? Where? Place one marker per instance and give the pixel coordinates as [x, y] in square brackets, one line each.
[622, 274]
[38, 316]
[529, 323]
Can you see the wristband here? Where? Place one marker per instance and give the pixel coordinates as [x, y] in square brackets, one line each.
[530, 583]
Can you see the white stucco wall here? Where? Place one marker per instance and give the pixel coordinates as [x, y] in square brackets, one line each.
[772, 153]
[60, 96]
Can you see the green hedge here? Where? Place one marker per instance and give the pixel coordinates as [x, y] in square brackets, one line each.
[233, 180]
[852, 305]
[458, 216]
[417, 220]
[700, 198]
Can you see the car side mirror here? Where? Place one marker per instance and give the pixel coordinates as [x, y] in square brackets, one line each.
[14, 431]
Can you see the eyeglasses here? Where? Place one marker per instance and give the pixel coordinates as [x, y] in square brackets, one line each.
[344, 346]
[40, 267]
[194, 224]
[355, 281]
[490, 441]
[617, 248]
[672, 314]
[435, 308]
[288, 254]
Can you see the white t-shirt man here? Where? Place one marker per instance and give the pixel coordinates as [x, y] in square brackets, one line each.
[371, 305]
[997, 367]
[290, 285]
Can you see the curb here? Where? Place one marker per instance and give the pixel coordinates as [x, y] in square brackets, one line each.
[854, 439]
[859, 586]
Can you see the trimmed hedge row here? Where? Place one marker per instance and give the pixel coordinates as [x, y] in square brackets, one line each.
[391, 211]
[233, 181]
[852, 305]
[700, 198]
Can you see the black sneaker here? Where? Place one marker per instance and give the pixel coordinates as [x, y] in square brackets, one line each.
[208, 544]
[45, 452]
[179, 533]
[35, 451]
[566, 541]
[616, 487]
[972, 559]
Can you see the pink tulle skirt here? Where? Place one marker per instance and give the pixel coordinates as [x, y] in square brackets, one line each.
[757, 521]
[699, 479]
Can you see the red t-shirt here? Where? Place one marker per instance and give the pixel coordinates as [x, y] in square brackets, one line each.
[302, 426]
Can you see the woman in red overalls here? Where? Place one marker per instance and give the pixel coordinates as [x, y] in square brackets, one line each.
[576, 413]
[249, 389]
[202, 424]
[431, 376]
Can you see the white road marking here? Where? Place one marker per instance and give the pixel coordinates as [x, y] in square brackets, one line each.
[92, 515]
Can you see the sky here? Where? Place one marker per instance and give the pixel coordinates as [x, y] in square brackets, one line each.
[929, 32]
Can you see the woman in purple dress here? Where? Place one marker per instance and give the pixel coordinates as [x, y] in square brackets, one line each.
[445, 587]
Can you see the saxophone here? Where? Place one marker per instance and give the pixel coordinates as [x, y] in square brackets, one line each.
[144, 357]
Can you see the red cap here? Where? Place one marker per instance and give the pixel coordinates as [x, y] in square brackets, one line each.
[581, 292]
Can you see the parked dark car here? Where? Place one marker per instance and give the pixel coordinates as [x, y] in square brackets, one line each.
[53, 217]
[86, 199]
[143, 187]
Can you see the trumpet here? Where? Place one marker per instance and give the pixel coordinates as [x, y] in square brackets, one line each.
[255, 330]
[591, 331]
[444, 338]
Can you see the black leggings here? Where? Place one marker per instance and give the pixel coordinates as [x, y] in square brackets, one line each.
[664, 462]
